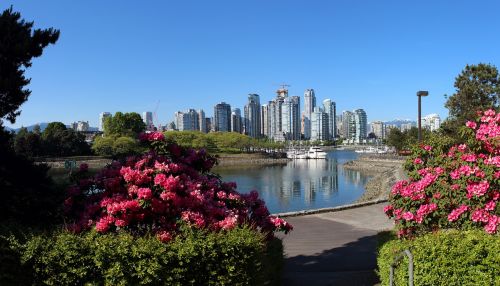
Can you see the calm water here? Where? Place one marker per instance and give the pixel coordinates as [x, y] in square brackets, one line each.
[301, 184]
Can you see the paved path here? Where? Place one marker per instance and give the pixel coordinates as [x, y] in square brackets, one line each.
[335, 248]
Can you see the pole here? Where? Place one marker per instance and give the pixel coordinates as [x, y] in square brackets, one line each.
[419, 119]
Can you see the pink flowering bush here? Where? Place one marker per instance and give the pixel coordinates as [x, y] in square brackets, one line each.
[458, 189]
[165, 188]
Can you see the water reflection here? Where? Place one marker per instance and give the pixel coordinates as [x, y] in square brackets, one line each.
[301, 184]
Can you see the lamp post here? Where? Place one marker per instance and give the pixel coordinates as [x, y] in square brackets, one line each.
[420, 94]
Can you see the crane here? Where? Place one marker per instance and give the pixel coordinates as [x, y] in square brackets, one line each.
[155, 117]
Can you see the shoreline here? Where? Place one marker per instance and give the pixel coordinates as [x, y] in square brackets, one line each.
[385, 172]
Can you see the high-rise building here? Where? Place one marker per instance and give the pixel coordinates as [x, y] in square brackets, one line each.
[236, 124]
[431, 122]
[252, 116]
[187, 121]
[330, 109]
[202, 121]
[222, 117]
[147, 118]
[319, 125]
[361, 125]
[309, 104]
[290, 118]
[338, 123]
[265, 123]
[102, 116]
[348, 125]
[378, 128]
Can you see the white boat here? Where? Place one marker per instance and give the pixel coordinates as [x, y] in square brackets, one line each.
[315, 153]
[373, 150]
[295, 154]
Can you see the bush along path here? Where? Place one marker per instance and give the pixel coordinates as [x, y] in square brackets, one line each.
[157, 219]
[448, 213]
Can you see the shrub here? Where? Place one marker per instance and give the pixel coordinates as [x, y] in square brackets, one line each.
[444, 258]
[162, 190]
[239, 256]
[458, 189]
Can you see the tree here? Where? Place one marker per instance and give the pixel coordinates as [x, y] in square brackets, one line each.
[124, 124]
[61, 141]
[19, 43]
[477, 88]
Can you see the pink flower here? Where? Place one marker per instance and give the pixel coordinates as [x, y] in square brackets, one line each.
[480, 215]
[491, 226]
[408, 216]
[469, 157]
[490, 206]
[471, 124]
[144, 193]
[456, 213]
[417, 161]
[477, 189]
[164, 236]
[462, 147]
[427, 148]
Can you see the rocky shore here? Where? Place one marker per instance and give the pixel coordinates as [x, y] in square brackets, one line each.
[385, 171]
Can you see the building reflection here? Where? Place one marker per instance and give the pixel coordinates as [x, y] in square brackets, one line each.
[312, 177]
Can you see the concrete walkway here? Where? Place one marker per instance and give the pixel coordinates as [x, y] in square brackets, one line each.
[335, 248]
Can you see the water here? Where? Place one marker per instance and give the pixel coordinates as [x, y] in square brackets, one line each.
[301, 184]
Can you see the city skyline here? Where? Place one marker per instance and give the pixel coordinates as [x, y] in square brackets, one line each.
[195, 54]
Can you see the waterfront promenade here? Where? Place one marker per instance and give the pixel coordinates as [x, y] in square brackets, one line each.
[334, 248]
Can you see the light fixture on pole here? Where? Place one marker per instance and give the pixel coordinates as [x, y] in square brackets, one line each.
[420, 94]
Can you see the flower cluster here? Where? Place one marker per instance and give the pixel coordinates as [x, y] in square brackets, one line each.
[161, 190]
[457, 189]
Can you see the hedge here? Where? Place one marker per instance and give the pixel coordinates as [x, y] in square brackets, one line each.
[448, 257]
[241, 256]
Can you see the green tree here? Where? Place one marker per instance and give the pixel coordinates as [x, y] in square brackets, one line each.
[125, 146]
[477, 88]
[124, 124]
[19, 43]
[396, 138]
[103, 146]
[27, 143]
[61, 141]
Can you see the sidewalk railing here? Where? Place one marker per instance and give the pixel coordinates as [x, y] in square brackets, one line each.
[410, 267]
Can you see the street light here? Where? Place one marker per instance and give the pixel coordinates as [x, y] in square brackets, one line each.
[420, 94]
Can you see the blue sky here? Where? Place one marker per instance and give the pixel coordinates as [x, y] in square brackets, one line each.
[128, 55]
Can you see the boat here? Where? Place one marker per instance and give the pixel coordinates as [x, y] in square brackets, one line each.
[296, 154]
[373, 150]
[315, 153]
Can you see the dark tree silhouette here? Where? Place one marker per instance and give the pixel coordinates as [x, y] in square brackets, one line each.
[19, 43]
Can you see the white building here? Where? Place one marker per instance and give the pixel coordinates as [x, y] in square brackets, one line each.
[102, 116]
[80, 126]
[319, 125]
[378, 128]
[431, 122]
[187, 121]
[309, 105]
[290, 118]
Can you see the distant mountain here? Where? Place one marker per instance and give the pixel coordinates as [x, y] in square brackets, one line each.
[399, 122]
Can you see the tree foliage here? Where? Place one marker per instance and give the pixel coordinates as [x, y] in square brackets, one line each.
[19, 43]
[477, 88]
[124, 124]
